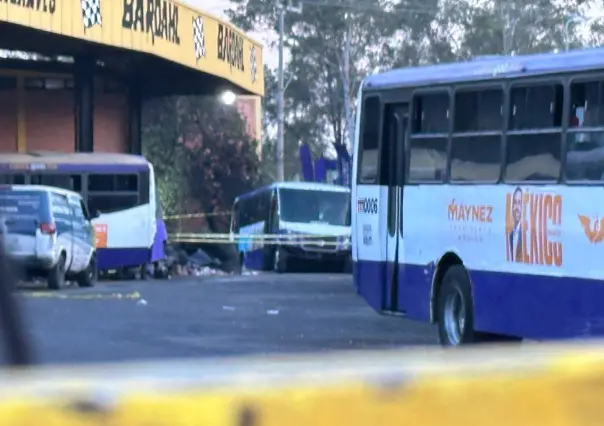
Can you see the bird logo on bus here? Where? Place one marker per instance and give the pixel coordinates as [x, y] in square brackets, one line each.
[594, 230]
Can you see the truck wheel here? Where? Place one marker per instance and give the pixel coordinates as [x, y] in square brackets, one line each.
[280, 261]
[455, 309]
[240, 261]
[56, 276]
[88, 277]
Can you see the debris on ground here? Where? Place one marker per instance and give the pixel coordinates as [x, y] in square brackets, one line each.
[178, 263]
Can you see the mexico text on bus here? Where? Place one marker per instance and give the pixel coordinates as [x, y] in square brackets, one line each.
[479, 196]
[307, 221]
[130, 231]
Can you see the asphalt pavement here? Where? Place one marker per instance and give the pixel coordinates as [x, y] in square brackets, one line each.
[209, 316]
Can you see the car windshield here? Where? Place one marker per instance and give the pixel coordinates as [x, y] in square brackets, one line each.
[307, 206]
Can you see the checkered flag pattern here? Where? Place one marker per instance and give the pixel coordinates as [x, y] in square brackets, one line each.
[253, 64]
[199, 38]
[91, 13]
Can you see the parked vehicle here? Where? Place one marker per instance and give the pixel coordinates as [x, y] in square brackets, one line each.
[308, 222]
[48, 233]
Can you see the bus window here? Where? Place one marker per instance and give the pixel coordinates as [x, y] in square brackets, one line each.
[101, 183]
[111, 203]
[585, 155]
[370, 118]
[478, 111]
[12, 179]
[70, 182]
[247, 212]
[476, 158]
[535, 156]
[536, 107]
[475, 150]
[429, 138]
[113, 192]
[144, 188]
[431, 113]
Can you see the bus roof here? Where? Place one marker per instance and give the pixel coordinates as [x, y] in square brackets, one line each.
[77, 162]
[312, 186]
[91, 158]
[489, 68]
[308, 186]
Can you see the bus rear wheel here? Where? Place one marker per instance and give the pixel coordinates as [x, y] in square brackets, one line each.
[455, 312]
[455, 309]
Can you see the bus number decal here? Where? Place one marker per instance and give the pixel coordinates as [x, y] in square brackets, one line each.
[367, 205]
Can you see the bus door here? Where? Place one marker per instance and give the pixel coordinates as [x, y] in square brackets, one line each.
[395, 129]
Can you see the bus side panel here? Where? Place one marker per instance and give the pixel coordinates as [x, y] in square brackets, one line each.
[369, 243]
[158, 230]
[533, 254]
[425, 233]
[252, 248]
[128, 243]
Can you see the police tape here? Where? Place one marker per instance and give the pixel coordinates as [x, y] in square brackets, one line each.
[496, 386]
[246, 237]
[262, 239]
[195, 215]
[257, 241]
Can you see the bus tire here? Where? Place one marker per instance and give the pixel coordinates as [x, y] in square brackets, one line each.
[280, 261]
[455, 308]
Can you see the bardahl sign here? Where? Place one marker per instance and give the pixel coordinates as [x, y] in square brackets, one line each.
[230, 47]
[156, 17]
[44, 6]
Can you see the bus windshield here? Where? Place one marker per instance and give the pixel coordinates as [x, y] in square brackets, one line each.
[305, 206]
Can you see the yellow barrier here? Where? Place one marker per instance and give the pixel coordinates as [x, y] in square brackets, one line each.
[539, 385]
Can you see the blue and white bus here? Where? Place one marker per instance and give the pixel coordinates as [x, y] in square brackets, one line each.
[307, 222]
[487, 179]
[130, 231]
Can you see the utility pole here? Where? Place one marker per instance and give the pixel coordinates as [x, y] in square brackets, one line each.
[346, 86]
[280, 93]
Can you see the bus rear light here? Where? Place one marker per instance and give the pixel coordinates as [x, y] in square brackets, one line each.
[48, 228]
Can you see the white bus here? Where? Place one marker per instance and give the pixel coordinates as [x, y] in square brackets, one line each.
[120, 188]
[311, 220]
[479, 194]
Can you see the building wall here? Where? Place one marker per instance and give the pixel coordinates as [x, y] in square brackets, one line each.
[8, 114]
[111, 117]
[38, 113]
[49, 113]
[249, 108]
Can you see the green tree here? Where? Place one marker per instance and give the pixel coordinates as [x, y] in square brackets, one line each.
[203, 158]
[321, 87]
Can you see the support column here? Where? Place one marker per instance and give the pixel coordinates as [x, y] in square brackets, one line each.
[84, 67]
[21, 116]
[135, 103]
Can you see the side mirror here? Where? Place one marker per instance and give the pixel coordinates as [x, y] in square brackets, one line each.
[95, 214]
